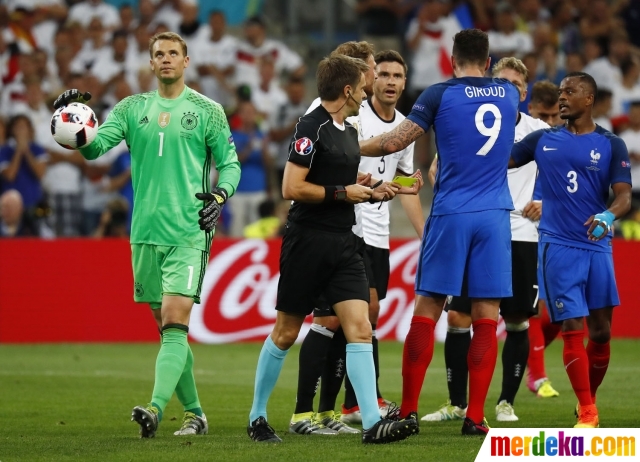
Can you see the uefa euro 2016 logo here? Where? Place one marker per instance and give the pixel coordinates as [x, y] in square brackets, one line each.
[303, 146]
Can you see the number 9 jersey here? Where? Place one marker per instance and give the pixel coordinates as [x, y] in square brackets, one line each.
[474, 119]
[173, 143]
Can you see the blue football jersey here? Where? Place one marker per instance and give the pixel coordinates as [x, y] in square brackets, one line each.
[474, 119]
[575, 173]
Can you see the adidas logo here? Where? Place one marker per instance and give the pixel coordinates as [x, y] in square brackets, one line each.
[144, 120]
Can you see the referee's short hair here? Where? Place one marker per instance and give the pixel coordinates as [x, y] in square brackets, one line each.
[511, 63]
[361, 50]
[336, 72]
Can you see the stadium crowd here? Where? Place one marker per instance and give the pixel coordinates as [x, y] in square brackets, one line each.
[47, 46]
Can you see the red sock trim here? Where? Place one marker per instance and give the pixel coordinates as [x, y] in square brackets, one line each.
[536, 349]
[576, 364]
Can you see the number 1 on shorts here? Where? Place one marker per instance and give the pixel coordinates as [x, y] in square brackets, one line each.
[190, 277]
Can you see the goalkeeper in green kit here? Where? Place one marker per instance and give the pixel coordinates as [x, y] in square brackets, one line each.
[174, 135]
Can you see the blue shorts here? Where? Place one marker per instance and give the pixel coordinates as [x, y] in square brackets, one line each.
[573, 281]
[475, 245]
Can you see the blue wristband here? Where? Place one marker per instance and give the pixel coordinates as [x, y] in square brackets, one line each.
[605, 217]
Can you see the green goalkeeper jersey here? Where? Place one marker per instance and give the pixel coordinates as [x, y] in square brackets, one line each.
[173, 143]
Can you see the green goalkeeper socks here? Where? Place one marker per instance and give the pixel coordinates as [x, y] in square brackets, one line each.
[186, 389]
[170, 363]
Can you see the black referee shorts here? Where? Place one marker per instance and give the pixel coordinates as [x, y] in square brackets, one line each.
[524, 261]
[376, 264]
[315, 263]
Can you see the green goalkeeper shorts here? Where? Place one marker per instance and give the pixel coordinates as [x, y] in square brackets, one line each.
[162, 270]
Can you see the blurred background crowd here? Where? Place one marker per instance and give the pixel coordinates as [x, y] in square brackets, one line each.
[257, 58]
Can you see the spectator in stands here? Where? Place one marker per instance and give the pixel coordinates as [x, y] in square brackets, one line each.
[256, 45]
[61, 181]
[551, 70]
[591, 50]
[84, 11]
[92, 48]
[146, 12]
[574, 62]
[631, 137]
[113, 221]
[565, 32]
[14, 221]
[96, 191]
[505, 40]
[251, 146]
[597, 22]
[120, 181]
[21, 22]
[530, 60]
[429, 40]
[128, 20]
[190, 25]
[113, 63]
[378, 21]
[267, 225]
[214, 57]
[15, 91]
[606, 69]
[49, 14]
[167, 12]
[22, 162]
[267, 96]
[602, 108]
[628, 89]
[282, 125]
[529, 13]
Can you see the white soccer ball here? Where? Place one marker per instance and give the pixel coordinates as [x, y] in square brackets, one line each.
[74, 126]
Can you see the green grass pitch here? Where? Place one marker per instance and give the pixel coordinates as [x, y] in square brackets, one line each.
[73, 402]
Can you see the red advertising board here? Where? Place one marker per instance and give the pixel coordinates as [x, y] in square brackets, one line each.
[80, 290]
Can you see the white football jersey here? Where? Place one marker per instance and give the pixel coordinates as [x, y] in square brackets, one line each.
[521, 184]
[372, 220]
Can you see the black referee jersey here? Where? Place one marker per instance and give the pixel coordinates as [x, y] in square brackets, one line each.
[332, 155]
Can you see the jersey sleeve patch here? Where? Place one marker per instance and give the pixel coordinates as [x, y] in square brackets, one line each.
[303, 146]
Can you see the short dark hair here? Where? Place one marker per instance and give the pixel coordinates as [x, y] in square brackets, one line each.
[544, 92]
[336, 72]
[471, 46]
[390, 56]
[255, 21]
[267, 208]
[361, 50]
[586, 78]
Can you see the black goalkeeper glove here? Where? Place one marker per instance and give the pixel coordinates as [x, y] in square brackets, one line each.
[71, 96]
[210, 212]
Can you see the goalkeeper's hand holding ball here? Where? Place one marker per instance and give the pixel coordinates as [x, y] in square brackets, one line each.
[71, 96]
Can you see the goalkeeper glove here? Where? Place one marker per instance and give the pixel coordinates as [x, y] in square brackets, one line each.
[210, 212]
[603, 223]
[71, 96]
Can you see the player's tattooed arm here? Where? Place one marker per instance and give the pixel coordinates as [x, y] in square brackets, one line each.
[396, 140]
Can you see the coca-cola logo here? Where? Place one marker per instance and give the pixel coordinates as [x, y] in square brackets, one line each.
[240, 287]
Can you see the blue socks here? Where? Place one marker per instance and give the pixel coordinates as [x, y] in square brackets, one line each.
[267, 373]
[362, 374]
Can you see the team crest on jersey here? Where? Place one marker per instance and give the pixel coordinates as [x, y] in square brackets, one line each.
[138, 289]
[189, 121]
[164, 118]
[303, 146]
[625, 164]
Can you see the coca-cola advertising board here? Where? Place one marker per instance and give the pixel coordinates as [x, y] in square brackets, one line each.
[80, 290]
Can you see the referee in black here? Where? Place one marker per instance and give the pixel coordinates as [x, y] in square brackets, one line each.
[320, 255]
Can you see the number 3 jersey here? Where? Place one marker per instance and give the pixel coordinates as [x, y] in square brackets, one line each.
[372, 220]
[575, 172]
[474, 122]
[173, 143]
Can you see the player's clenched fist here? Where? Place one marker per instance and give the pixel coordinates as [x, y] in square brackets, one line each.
[71, 96]
[211, 209]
